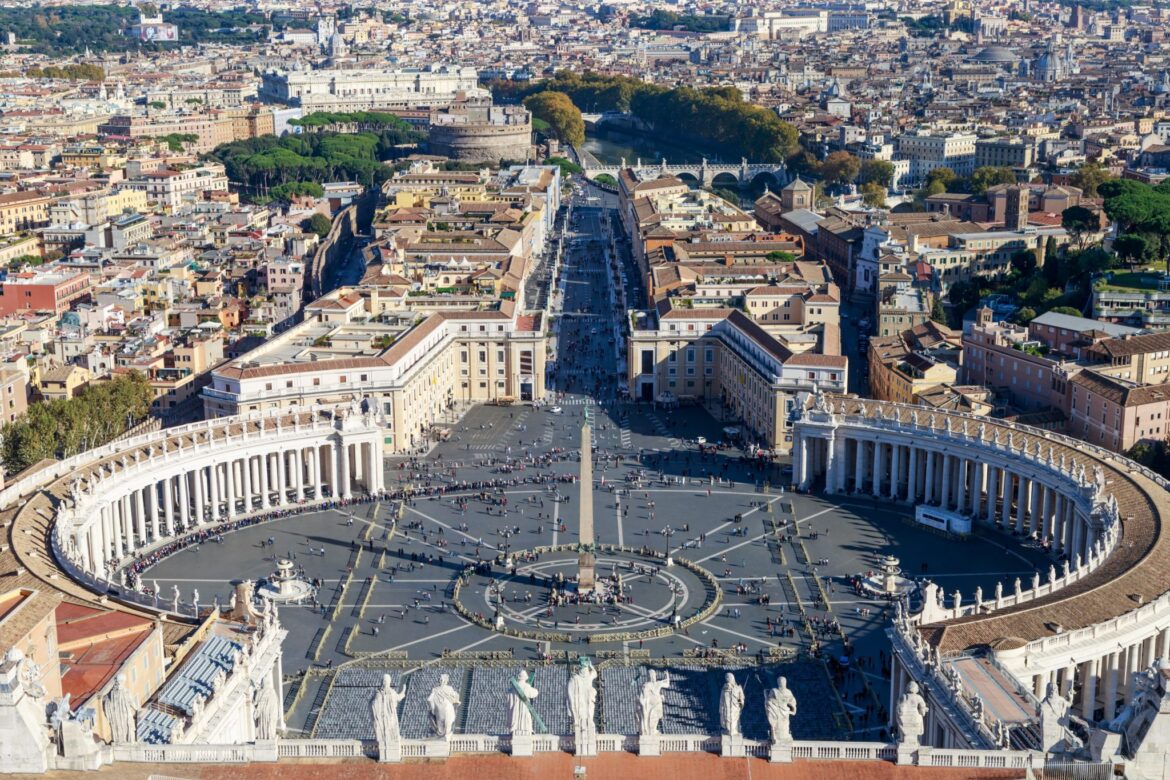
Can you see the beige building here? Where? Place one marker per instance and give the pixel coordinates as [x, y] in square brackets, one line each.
[355, 347]
[679, 355]
[1117, 414]
[906, 367]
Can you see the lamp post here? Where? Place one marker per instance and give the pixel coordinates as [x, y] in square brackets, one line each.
[668, 532]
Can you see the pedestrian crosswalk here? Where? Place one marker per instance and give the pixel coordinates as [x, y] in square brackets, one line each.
[660, 428]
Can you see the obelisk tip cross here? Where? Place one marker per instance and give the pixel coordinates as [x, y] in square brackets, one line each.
[585, 560]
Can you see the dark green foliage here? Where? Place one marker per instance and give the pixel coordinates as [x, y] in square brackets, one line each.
[319, 224]
[57, 429]
[67, 30]
[669, 20]
[715, 118]
[268, 161]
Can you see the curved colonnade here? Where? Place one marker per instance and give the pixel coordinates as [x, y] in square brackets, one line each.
[1100, 613]
[113, 505]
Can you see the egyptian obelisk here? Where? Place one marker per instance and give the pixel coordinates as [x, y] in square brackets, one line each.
[585, 560]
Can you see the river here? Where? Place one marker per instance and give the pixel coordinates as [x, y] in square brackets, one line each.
[610, 147]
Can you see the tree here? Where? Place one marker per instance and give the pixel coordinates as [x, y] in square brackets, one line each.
[319, 224]
[988, 176]
[1089, 177]
[878, 171]
[780, 257]
[873, 195]
[941, 175]
[1080, 222]
[840, 168]
[1024, 262]
[1071, 311]
[563, 117]
[938, 312]
[1025, 315]
[1131, 247]
[1052, 264]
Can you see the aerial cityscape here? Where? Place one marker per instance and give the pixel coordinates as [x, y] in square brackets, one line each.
[766, 389]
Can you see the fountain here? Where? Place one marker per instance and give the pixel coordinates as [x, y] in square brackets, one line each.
[888, 582]
[286, 584]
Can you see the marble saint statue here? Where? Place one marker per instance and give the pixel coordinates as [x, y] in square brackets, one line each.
[520, 698]
[442, 702]
[385, 712]
[730, 705]
[121, 709]
[780, 707]
[582, 700]
[267, 715]
[911, 716]
[650, 703]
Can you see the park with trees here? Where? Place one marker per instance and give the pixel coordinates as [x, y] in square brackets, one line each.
[98, 414]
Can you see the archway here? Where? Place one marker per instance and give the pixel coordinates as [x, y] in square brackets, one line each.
[762, 179]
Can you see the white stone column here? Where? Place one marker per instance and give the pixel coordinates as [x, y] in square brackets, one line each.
[912, 476]
[374, 473]
[830, 470]
[215, 486]
[1111, 672]
[979, 469]
[840, 462]
[1131, 656]
[281, 479]
[152, 511]
[859, 466]
[140, 516]
[1034, 507]
[334, 481]
[246, 482]
[318, 482]
[98, 531]
[879, 465]
[298, 464]
[184, 500]
[947, 463]
[928, 489]
[1090, 671]
[1021, 503]
[964, 478]
[1046, 513]
[263, 463]
[169, 505]
[343, 452]
[127, 522]
[200, 496]
[895, 471]
[1078, 543]
[229, 487]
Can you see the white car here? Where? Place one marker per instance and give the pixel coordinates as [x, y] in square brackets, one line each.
[556, 410]
[700, 440]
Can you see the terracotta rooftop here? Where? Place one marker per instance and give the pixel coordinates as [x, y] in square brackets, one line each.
[554, 766]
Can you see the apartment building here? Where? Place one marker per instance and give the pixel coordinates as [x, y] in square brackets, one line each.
[722, 356]
[355, 348]
[914, 362]
[171, 188]
[23, 211]
[929, 150]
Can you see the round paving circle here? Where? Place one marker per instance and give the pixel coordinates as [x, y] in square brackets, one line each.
[656, 595]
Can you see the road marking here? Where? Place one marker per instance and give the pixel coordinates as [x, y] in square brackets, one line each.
[755, 639]
[620, 528]
[733, 547]
[556, 522]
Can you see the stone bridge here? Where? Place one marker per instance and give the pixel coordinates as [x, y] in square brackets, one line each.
[705, 174]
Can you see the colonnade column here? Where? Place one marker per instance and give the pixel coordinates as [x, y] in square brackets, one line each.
[229, 487]
[169, 505]
[246, 480]
[281, 480]
[878, 466]
[1110, 673]
[262, 465]
[152, 511]
[1090, 670]
[928, 486]
[964, 475]
[298, 462]
[859, 466]
[912, 476]
[343, 453]
[216, 487]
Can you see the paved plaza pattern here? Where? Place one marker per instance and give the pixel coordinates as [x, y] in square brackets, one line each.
[502, 491]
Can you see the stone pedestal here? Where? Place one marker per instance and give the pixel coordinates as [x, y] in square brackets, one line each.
[648, 745]
[780, 753]
[522, 745]
[732, 746]
[438, 748]
[391, 752]
[585, 746]
[264, 750]
[907, 753]
[586, 572]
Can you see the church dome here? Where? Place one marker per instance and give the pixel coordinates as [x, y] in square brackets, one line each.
[996, 55]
